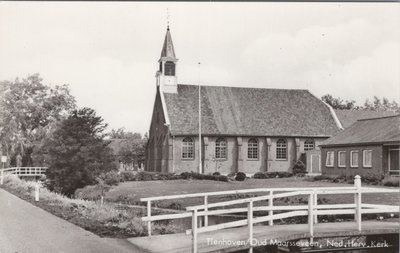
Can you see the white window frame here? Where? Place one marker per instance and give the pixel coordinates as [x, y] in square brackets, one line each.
[329, 160]
[221, 149]
[351, 158]
[340, 160]
[282, 149]
[364, 152]
[252, 149]
[309, 144]
[190, 149]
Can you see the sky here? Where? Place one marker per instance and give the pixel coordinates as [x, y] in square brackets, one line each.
[107, 52]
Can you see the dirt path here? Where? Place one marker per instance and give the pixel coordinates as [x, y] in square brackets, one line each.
[25, 228]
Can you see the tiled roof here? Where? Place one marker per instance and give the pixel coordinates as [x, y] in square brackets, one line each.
[348, 117]
[248, 112]
[377, 130]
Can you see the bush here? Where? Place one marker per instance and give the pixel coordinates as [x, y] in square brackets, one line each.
[391, 181]
[194, 175]
[299, 168]
[260, 175]
[110, 178]
[240, 176]
[264, 175]
[216, 173]
[128, 176]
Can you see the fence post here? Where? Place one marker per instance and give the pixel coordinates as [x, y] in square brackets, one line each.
[206, 210]
[310, 215]
[194, 231]
[315, 198]
[250, 224]
[357, 200]
[270, 205]
[1, 177]
[37, 192]
[149, 216]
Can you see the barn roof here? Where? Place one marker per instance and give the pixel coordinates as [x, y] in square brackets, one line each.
[369, 131]
[248, 112]
[348, 117]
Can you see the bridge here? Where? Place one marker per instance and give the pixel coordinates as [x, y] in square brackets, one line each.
[23, 172]
[247, 233]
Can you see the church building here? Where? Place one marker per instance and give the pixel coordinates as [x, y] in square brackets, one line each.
[242, 129]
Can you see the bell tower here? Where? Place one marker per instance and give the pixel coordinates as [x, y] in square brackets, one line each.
[166, 74]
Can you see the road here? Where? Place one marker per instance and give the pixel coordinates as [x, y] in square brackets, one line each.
[25, 228]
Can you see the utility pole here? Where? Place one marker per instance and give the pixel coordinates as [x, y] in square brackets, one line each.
[200, 145]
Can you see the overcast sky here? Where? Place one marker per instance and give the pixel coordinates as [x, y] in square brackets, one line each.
[108, 51]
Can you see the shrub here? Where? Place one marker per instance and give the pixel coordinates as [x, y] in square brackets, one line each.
[128, 176]
[391, 181]
[240, 176]
[110, 178]
[216, 173]
[194, 175]
[373, 179]
[144, 176]
[260, 175]
[299, 168]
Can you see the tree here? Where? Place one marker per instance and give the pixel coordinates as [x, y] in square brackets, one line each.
[76, 152]
[339, 104]
[28, 112]
[381, 105]
[132, 148]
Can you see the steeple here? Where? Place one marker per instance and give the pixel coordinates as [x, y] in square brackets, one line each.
[168, 48]
[166, 74]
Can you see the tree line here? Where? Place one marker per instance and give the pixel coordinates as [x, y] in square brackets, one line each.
[42, 126]
[376, 104]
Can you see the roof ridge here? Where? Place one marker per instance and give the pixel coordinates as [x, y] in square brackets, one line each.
[241, 87]
[391, 116]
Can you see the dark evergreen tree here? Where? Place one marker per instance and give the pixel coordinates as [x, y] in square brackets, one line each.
[76, 152]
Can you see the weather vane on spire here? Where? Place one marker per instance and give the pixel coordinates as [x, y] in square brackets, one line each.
[167, 18]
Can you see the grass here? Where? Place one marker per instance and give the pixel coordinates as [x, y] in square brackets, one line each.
[107, 219]
[131, 192]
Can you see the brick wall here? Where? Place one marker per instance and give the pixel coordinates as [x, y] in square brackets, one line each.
[376, 168]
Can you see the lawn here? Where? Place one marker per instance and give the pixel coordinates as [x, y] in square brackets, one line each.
[131, 192]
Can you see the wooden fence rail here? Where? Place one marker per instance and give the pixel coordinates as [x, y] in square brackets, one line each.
[312, 209]
[22, 172]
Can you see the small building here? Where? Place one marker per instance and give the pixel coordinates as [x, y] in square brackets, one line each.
[242, 129]
[369, 146]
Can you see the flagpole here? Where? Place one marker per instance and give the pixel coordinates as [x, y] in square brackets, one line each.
[200, 145]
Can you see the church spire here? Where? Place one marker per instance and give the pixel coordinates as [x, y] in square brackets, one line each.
[168, 47]
[166, 74]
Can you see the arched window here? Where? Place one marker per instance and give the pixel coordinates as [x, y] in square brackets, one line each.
[281, 149]
[169, 68]
[252, 149]
[220, 148]
[308, 145]
[187, 148]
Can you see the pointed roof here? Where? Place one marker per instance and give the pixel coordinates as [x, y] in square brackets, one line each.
[248, 112]
[168, 47]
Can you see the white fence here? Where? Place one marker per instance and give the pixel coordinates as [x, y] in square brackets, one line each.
[22, 172]
[312, 209]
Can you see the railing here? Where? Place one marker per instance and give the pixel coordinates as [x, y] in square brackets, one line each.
[312, 210]
[22, 171]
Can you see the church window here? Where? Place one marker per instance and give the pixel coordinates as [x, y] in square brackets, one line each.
[220, 148]
[169, 68]
[308, 145]
[281, 149]
[252, 149]
[187, 148]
